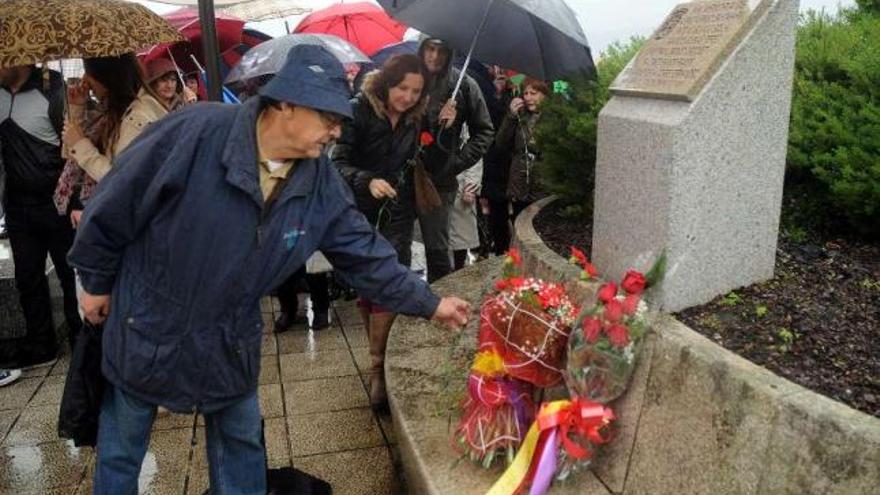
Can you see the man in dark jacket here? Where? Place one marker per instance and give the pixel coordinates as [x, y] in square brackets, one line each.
[205, 213]
[32, 109]
[451, 155]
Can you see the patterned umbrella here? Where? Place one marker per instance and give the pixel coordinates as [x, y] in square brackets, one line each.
[34, 31]
[265, 10]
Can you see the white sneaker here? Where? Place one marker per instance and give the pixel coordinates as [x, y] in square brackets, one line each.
[9, 376]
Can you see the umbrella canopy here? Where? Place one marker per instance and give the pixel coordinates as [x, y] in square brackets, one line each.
[34, 31]
[264, 10]
[217, 3]
[230, 34]
[541, 38]
[269, 57]
[362, 24]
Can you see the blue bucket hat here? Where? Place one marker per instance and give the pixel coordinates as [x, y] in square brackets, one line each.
[311, 77]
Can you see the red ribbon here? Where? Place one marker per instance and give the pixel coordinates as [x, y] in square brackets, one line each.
[586, 419]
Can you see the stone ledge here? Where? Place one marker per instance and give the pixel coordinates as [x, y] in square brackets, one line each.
[697, 419]
[700, 419]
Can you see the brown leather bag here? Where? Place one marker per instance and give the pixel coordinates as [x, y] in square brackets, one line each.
[427, 197]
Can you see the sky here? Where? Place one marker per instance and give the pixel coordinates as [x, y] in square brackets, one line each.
[604, 21]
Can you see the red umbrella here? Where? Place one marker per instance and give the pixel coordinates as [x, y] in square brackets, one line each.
[364, 25]
[186, 20]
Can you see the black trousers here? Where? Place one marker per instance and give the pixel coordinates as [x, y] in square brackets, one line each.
[499, 226]
[36, 231]
[318, 289]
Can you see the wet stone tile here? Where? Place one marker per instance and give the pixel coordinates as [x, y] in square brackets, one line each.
[333, 432]
[50, 391]
[38, 371]
[37, 424]
[326, 394]
[306, 366]
[277, 443]
[269, 346]
[7, 418]
[271, 403]
[295, 341]
[167, 420]
[42, 468]
[17, 395]
[353, 473]
[356, 335]
[60, 367]
[269, 370]
[163, 469]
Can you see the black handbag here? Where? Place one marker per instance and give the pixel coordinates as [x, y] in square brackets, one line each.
[83, 390]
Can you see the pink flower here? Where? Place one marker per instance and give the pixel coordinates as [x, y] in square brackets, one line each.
[618, 335]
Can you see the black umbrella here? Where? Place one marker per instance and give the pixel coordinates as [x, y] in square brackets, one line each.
[541, 38]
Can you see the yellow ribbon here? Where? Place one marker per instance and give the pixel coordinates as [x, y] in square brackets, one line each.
[488, 364]
[516, 473]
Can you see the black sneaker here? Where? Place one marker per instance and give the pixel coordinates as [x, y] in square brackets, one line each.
[320, 321]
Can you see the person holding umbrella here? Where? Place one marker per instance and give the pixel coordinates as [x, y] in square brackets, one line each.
[164, 79]
[445, 118]
[177, 281]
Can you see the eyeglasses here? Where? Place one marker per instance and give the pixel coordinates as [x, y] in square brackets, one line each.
[331, 119]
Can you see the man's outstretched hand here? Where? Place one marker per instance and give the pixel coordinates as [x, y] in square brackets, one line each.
[452, 312]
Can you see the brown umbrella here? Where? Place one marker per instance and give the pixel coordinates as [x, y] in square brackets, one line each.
[34, 31]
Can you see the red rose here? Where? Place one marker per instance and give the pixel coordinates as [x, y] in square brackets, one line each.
[514, 257]
[618, 335]
[501, 285]
[633, 282]
[578, 257]
[631, 304]
[613, 311]
[590, 270]
[607, 292]
[426, 138]
[516, 282]
[592, 328]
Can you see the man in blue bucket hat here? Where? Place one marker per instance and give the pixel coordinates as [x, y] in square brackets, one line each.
[210, 209]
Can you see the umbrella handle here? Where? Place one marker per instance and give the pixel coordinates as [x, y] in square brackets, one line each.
[467, 61]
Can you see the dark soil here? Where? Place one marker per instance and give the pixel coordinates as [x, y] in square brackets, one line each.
[817, 322]
[560, 232]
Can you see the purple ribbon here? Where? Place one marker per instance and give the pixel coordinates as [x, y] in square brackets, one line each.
[546, 465]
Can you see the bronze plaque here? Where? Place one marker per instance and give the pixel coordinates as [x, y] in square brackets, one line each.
[685, 51]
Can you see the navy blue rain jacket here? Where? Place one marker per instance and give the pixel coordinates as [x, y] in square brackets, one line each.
[178, 234]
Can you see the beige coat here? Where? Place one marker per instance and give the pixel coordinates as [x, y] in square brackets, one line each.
[144, 110]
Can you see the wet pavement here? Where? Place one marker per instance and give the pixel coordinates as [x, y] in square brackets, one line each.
[314, 400]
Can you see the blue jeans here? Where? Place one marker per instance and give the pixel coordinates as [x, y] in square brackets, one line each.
[236, 455]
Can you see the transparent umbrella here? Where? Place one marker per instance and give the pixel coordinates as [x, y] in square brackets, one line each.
[268, 57]
[264, 10]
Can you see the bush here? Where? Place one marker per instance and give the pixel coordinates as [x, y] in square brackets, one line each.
[835, 122]
[566, 133]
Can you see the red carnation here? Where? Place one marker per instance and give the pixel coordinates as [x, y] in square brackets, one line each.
[618, 335]
[514, 257]
[592, 328]
[426, 139]
[633, 282]
[613, 311]
[607, 292]
[578, 257]
[502, 285]
[631, 304]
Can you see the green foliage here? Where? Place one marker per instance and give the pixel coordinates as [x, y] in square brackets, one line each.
[869, 6]
[731, 299]
[835, 121]
[566, 133]
[761, 311]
